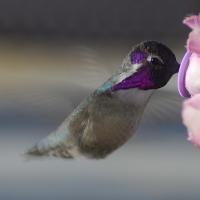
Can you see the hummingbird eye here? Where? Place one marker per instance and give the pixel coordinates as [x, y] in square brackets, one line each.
[154, 61]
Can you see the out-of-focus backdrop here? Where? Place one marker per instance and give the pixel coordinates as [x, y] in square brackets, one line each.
[54, 53]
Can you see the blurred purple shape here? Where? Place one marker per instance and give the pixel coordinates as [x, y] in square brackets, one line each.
[181, 75]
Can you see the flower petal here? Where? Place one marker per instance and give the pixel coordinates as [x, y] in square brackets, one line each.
[191, 118]
[193, 42]
[193, 102]
[192, 77]
[193, 22]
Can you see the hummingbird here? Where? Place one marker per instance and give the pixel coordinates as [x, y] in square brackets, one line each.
[108, 117]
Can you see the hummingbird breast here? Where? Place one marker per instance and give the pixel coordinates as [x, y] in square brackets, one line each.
[107, 121]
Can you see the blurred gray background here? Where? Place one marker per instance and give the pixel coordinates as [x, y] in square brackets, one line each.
[54, 53]
[89, 18]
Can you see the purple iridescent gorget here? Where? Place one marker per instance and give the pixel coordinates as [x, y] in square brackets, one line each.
[141, 78]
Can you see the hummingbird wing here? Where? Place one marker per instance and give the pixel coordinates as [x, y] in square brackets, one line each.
[62, 97]
[164, 106]
[88, 66]
[47, 91]
[45, 97]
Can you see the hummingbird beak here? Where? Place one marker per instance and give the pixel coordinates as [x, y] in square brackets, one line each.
[176, 67]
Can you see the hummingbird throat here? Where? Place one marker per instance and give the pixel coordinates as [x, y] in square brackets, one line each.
[140, 79]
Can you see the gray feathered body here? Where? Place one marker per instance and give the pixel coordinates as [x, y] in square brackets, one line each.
[99, 125]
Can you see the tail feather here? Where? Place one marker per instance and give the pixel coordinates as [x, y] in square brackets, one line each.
[47, 148]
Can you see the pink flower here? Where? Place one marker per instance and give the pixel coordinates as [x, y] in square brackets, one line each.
[193, 42]
[189, 81]
[191, 118]
[192, 79]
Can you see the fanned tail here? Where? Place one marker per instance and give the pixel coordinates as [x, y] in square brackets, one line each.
[49, 147]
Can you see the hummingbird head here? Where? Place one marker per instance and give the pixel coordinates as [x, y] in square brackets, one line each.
[149, 65]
